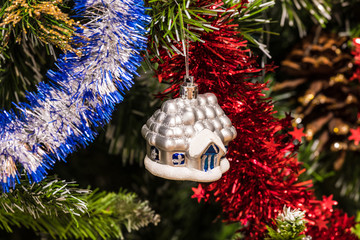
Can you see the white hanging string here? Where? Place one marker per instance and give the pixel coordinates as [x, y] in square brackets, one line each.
[186, 53]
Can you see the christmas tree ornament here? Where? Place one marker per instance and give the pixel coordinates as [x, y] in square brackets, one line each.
[65, 113]
[264, 172]
[187, 139]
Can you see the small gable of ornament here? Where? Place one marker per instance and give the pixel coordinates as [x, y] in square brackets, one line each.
[187, 139]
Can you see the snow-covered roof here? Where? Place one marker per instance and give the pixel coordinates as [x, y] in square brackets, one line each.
[172, 127]
[203, 140]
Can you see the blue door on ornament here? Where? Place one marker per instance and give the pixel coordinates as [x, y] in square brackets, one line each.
[210, 157]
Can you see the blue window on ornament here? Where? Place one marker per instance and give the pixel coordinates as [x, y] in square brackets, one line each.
[178, 158]
[210, 157]
[224, 156]
[154, 153]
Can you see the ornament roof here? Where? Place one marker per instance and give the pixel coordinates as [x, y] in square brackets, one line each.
[202, 141]
[172, 127]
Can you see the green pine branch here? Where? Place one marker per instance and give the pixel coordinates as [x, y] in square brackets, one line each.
[310, 158]
[356, 228]
[23, 66]
[253, 23]
[289, 226]
[175, 22]
[31, 32]
[5, 30]
[61, 210]
[294, 11]
[44, 20]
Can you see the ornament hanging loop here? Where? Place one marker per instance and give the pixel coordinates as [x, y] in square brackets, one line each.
[189, 89]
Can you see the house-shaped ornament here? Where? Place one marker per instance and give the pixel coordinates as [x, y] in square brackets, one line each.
[187, 138]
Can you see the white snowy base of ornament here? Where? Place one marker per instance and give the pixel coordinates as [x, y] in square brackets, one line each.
[185, 173]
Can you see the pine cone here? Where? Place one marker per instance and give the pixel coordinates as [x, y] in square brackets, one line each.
[325, 55]
[327, 103]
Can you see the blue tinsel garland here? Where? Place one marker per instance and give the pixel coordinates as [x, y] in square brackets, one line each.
[81, 95]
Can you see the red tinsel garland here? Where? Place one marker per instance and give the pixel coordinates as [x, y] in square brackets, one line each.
[356, 54]
[264, 171]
